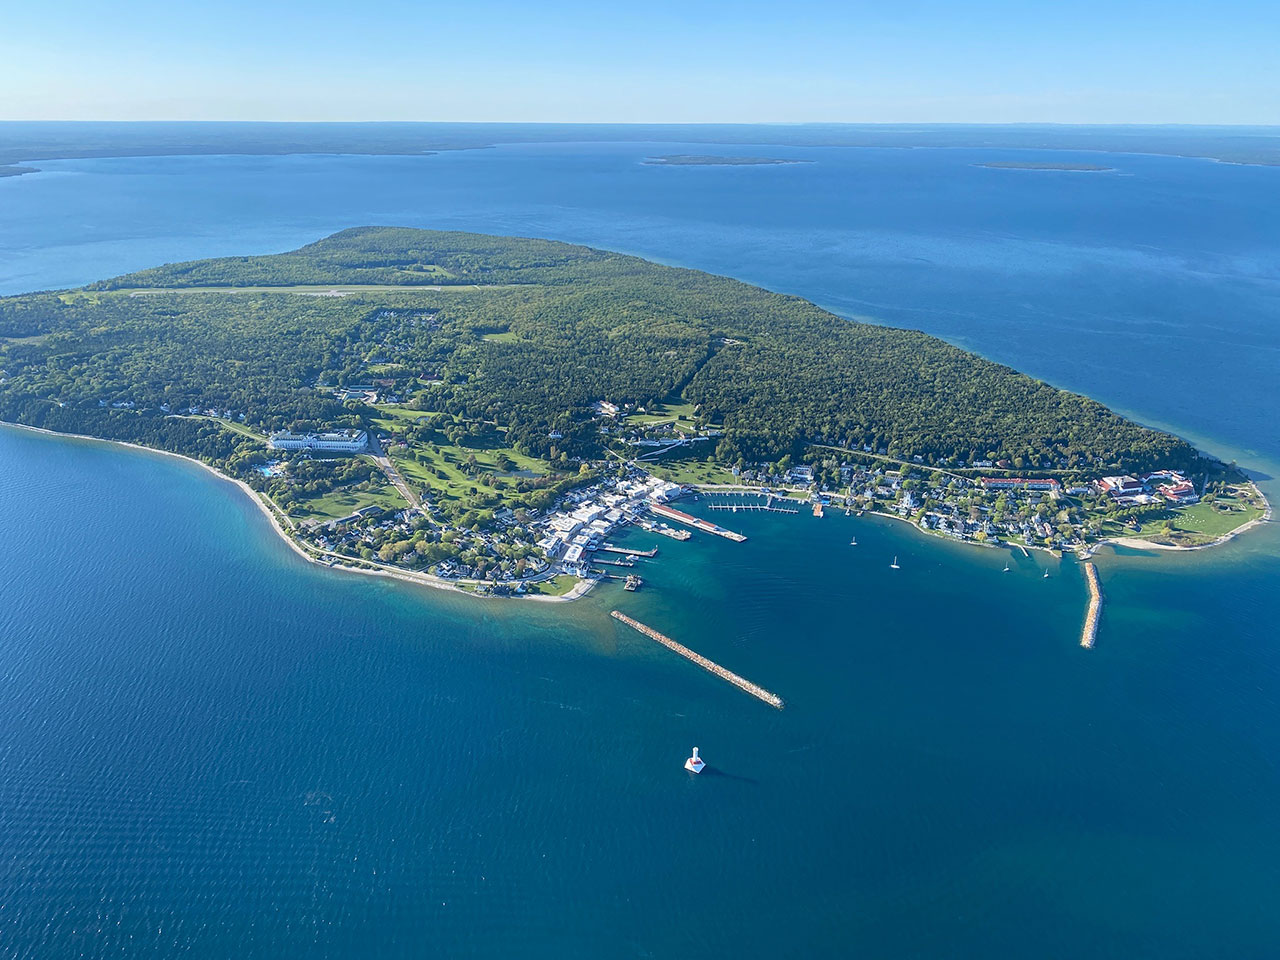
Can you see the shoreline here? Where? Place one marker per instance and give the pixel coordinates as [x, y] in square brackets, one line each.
[1088, 551]
[274, 517]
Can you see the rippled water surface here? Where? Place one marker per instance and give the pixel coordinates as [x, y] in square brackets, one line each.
[210, 748]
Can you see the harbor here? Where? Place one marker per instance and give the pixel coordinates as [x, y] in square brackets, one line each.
[756, 502]
[671, 513]
[1090, 632]
[760, 693]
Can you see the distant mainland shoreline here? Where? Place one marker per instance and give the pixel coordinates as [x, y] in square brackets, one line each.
[698, 160]
[1048, 165]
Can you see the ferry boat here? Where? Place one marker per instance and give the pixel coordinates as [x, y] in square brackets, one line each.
[695, 763]
[894, 565]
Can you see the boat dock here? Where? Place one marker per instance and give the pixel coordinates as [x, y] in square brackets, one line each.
[665, 530]
[735, 507]
[1090, 632]
[680, 516]
[817, 508]
[754, 504]
[610, 548]
[614, 563]
[758, 692]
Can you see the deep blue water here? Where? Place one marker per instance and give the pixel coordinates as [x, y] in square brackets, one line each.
[210, 748]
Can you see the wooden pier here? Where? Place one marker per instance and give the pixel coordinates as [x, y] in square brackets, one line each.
[1090, 632]
[817, 508]
[763, 507]
[758, 692]
[671, 513]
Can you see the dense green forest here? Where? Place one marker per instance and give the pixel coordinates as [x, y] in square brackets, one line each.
[524, 335]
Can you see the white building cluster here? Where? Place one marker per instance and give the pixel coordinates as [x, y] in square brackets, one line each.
[342, 441]
[587, 516]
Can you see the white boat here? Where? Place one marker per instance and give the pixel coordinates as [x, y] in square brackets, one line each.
[1006, 568]
[894, 565]
[1046, 575]
[695, 763]
[853, 542]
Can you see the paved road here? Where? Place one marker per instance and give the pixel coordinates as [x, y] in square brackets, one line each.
[380, 457]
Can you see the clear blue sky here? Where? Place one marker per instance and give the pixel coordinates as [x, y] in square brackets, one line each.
[566, 60]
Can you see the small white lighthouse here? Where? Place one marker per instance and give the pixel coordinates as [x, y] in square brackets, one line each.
[694, 764]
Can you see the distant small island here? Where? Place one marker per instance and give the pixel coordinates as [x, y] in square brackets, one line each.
[1033, 165]
[698, 160]
[13, 170]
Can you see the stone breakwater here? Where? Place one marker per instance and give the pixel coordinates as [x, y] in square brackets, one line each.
[1090, 632]
[740, 682]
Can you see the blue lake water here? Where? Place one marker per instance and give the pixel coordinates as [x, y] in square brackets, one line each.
[211, 748]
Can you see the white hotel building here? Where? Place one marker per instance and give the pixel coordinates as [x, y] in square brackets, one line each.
[344, 441]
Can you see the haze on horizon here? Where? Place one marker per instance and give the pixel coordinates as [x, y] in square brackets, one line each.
[914, 61]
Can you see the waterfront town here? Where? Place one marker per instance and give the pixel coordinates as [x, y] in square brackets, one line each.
[551, 549]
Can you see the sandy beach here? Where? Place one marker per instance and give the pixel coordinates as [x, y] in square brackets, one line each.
[279, 521]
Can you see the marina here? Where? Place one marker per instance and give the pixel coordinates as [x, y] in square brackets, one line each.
[760, 693]
[1090, 632]
[757, 502]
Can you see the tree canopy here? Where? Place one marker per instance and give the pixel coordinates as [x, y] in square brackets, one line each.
[527, 335]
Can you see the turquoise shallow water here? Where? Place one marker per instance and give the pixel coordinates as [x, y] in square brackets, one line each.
[210, 748]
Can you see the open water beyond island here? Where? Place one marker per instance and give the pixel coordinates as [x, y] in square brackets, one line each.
[211, 748]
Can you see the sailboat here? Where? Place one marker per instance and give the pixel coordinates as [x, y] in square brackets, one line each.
[894, 565]
[853, 542]
[1046, 575]
[1006, 568]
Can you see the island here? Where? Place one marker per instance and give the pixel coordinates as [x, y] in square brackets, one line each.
[14, 170]
[698, 160]
[1045, 165]
[483, 413]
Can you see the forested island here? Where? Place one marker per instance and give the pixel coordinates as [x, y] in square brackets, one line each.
[474, 382]
[699, 160]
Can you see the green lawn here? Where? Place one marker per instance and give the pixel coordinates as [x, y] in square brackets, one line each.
[557, 586]
[690, 471]
[420, 463]
[680, 411]
[342, 503]
[1192, 525]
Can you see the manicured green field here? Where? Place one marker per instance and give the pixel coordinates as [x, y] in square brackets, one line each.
[1192, 525]
[555, 587]
[342, 503]
[690, 471]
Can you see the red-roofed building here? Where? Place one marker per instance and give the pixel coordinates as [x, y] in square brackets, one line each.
[1184, 492]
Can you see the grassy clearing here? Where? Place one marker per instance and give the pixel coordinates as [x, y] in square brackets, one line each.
[344, 502]
[680, 412]
[505, 337]
[690, 471]
[1193, 525]
[231, 425]
[557, 586]
[451, 470]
